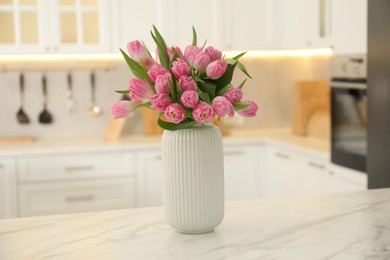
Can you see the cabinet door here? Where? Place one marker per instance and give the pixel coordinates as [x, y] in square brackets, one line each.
[79, 26]
[7, 188]
[204, 15]
[248, 24]
[22, 26]
[284, 177]
[349, 26]
[150, 179]
[243, 172]
[133, 20]
[347, 179]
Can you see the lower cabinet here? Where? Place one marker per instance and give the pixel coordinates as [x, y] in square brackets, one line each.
[8, 208]
[67, 197]
[293, 172]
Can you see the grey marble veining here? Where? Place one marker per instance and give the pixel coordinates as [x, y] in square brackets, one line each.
[343, 226]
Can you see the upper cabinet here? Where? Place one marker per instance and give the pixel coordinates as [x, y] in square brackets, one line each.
[60, 26]
[248, 24]
[341, 24]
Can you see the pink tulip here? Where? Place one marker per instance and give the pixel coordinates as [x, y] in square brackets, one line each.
[122, 109]
[180, 68]
[201, 61]
[187, 83]
[216, 69]
[213, 53]
[156, 71]
[234, 94]
[149, 63]
[140, 91]
[175, 113]
[189, 98]
[160, 102]
[222, 107]
[162, 83]
[171, 52]
[249, 111]
[190, 53]
[137, 51]
[203, 113]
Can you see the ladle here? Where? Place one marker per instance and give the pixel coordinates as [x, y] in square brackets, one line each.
[45, 117]
[21, 115]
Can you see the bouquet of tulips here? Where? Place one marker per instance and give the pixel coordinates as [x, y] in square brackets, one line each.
[186, 89]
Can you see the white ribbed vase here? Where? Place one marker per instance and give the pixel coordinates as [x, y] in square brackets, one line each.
[193, 178]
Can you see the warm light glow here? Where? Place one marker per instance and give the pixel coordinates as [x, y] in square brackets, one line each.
[15, 61]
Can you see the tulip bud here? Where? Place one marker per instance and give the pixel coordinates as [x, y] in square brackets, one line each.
[203, 113]
[213, 53]
[187, 83]
[137, 51]
[222, 107]
[122, 109]
[190, 53]
[189, 98]
[156, 71]
[160, 102]
[175, 113]
[216, 69]
[201, 62]
[180, 68]
[234, 94]
[140, 91]
[249, 111]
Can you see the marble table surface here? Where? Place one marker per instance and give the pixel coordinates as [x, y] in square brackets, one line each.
[353, 225]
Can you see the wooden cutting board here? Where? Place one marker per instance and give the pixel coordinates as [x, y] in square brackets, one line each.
[309, 97]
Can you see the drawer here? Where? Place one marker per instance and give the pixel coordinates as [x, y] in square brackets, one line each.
[75, 166]
[67, 197]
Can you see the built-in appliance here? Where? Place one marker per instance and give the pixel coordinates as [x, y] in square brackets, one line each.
[349, 112]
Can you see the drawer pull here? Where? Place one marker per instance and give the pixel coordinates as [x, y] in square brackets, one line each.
[230, 153]
[78, 168]
[282, 155]
[79, 198]
[316, 165]
[158, 157]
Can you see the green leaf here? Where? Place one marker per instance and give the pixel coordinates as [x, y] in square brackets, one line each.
[138, 71]
[162, 48]
[226, 78]
[230, 61]
[243, 69]
[174, 127]
[242, 84]
[194, 36]
[204, 96]
[173, 91]
[147, 105]
[204, 44]
[239, 55]
[223, 91]
[124, 92]
[239, 106]
[208, 87]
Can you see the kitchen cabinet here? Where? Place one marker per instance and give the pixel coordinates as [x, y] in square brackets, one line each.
[45, 26]
[67, 182]
[7, 188]
[295, 172]
[320, 23]
[150, 178]
[248, 24]
[243, 166]
[133, 20]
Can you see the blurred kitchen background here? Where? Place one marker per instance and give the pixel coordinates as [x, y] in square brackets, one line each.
[292, 48]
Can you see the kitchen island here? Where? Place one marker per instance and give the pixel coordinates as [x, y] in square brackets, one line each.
[351, 225]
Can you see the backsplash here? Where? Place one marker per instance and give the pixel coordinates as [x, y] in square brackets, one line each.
[271, 88]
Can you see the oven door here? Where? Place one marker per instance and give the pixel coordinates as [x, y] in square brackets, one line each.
[349, 124]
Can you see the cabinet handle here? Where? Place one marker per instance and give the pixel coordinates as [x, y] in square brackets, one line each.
[78, 168]
[79, 198]
[231, 153]
[158, 157]
[282, 155]
[316, 165]
[322, 10]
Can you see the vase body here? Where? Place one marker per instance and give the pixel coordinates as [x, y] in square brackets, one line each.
[193, 178]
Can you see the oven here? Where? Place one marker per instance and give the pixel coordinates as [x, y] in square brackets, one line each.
[349, 112]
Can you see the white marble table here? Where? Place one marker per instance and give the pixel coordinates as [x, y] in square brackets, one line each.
[340, 226]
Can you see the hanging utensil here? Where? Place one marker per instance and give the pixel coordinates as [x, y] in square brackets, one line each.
[93, 109]
[45, 117]
[70, 101]
[21, 115]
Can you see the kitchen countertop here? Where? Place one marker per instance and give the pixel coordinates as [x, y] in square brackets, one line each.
[280, 136]
[353, 225]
